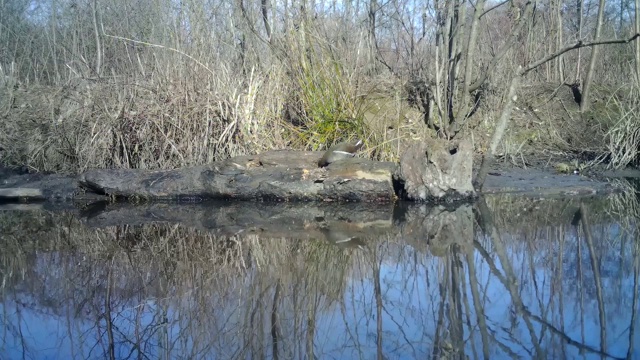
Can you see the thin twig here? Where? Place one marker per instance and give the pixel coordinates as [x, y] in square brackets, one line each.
[577, 45]
[162, 47]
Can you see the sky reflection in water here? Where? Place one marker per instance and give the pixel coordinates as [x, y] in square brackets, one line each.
[72, 291]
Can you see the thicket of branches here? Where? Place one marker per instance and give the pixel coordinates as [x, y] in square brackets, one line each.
[162, 83]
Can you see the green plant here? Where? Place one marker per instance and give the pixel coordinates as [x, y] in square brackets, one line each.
[328, 95]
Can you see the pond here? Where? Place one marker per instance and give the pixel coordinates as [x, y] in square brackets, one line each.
[506, 277]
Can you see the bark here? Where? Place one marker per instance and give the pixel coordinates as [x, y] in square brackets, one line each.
[471, 49]
[498, 132]
[264, 6]
[451, 63]
[579, 11]
[373, 8]
[274, 176]
[586, 90]
[559, 65]
[456, 48]
[638, 43]
[94, 13]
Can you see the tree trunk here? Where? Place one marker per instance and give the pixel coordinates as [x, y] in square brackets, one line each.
[54, 45]
[579, 14]
[586, 90]
[498, 132]
[471, 48]
[98, 65]
[637, 43]
[264, 6]
[373, 8]
[559, 41]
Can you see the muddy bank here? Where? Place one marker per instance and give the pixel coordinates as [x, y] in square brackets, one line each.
[540, 182]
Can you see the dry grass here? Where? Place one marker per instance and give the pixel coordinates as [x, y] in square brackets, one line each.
[154, 123]
[182, 117]
[548, 127]
[139, 88]
[623, 135]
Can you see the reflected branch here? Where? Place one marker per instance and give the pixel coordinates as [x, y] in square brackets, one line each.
[274, 320]
[107, 312]
[457, 336]
[377, 288]
[634, 302]
[568, 339]
[560, 292]
[509, 282]
[480, 315]
[287, 293]
[586, 227]
[504, 347]
[527, 314]
[436, 352]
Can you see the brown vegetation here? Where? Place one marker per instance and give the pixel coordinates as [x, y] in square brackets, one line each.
[159, 85]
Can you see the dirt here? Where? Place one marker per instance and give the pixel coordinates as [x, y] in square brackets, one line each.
[537, 182]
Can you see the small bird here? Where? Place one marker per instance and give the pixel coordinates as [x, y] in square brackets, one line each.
[341, 151]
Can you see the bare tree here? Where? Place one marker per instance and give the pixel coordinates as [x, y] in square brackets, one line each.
[264, 6]
[505, 115]
[637, 42]
[586, 90]
[579, 15]
[453, 114]
[558, 40]
[373, 9]
[94, 14]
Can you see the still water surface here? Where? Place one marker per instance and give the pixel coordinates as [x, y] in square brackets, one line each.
[507, 277]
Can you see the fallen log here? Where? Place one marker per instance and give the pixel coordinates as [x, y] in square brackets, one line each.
[429, 171]
[273, 176]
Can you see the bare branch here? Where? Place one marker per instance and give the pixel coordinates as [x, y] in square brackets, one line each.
[588, 80]
[503, 51]
[245, 15]
[577, 45]
[161, 47]
[264, 5]
[493, 8]
[94, 14]
[638, 42]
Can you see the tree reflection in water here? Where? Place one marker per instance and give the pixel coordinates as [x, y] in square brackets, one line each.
[507, 277]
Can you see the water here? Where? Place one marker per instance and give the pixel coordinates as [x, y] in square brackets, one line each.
[509, 277]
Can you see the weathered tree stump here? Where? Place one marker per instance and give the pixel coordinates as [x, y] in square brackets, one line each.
[434, 169]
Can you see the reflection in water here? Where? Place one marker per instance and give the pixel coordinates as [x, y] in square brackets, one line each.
[507, 278]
